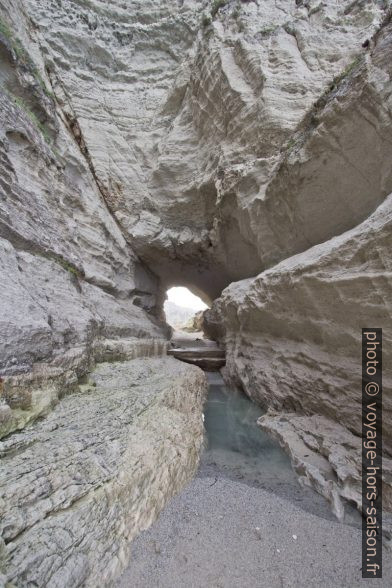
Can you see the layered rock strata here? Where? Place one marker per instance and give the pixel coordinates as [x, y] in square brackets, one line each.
[293, 333]
[28, 396]
[78, 486]
[145, 144]
[204, 354]
[293, 342]
[70, 281]
[186, 114]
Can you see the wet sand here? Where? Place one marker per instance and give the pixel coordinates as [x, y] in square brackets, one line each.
[245, 521]
[226, 534]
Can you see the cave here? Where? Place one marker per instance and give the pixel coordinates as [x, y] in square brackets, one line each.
[231, 158]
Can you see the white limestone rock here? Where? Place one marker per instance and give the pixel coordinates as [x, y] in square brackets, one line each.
[327, 456]
[293, 333]
[69, 277]
[184, 124]
[141, 145]
[78, 486]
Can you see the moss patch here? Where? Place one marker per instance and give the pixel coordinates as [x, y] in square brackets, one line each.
[206, 20]
[23, 57]
[337, 80]
[37, 123]
[69, 267]
[216, 5]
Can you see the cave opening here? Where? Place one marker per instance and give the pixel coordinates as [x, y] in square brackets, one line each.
[183, 310]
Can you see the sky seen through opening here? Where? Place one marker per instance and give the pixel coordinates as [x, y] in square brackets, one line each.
[184, 297]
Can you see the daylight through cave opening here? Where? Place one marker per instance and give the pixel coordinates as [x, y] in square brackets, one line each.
[189, 343]
[183, 309]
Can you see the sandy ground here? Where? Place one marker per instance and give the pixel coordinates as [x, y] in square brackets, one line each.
[225, 534]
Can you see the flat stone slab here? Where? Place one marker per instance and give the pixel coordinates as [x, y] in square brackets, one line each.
[77, 486]
[203, 353]
[181, 353]
[209, 364]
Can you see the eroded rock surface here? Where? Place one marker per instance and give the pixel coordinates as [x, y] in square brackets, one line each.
[187, 123]
[69, 278]
[33, 394]
[324, 455]
[293, 336]
[201, 352]
[78, 486]
[150, 143]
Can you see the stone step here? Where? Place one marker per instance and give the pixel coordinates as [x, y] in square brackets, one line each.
[208, 358]
[181, 353]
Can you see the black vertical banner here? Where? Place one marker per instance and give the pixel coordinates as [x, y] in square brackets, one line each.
[372, 453]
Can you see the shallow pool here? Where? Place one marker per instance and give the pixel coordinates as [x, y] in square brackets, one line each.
[234, 441]
[238, 449]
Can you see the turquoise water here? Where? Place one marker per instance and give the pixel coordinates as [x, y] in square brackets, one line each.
[231, 424]
[238, 449]
[235, 440]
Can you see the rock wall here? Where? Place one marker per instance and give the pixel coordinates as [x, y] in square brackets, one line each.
[293, 342]
[187, 118]
[293, 333]
[195, 323]
[69, 277]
